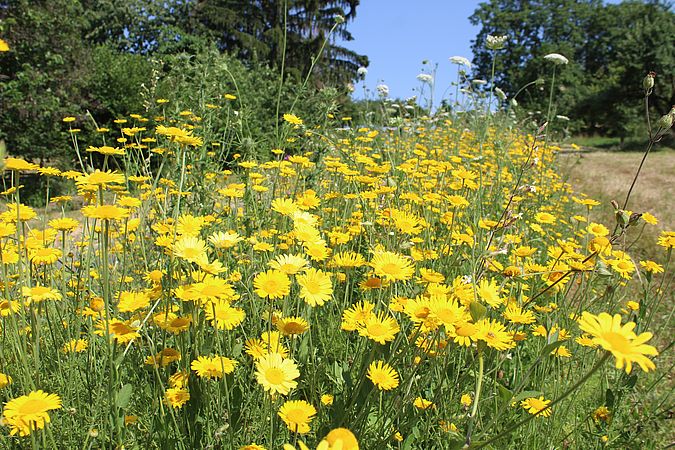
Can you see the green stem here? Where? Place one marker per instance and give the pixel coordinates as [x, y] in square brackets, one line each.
[576, 385]
[476, 397]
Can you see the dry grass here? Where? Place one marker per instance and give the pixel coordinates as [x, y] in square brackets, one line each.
[607, 176]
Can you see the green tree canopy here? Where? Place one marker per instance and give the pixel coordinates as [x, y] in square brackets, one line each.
[610, 48]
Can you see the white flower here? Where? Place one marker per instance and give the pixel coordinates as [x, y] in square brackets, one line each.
[361, 72]
[460, 61]
[495, 42]
[466, 279]
[563, 118]
[383, 90]
[556, 58]
[501, 95]
[425, 78]
[479, 82]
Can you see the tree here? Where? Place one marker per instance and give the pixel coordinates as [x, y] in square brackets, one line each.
[42, 76]
[255, 31]
[610, 47]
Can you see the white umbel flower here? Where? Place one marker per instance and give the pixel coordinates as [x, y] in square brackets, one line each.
[425, 78]
[495, 42]
[383, 90]
[460, 61]
[556, 58]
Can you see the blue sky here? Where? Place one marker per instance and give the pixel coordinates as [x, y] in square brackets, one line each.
[397, 35]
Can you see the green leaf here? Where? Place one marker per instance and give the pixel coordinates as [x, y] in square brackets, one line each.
[526, 394]
[504, 393]
[123, 396]
[609, 398]
[477, 311]
[407, 444]
[630, 382]
[550, 347]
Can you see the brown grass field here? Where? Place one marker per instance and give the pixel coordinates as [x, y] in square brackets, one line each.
[606, 176]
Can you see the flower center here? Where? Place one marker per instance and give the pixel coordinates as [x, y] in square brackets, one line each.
[617, 342]
[274, 375]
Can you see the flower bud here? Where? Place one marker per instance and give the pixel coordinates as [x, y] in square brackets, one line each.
[665, 122]
[648, 82]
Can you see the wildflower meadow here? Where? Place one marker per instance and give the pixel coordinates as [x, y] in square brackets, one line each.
[427, 282]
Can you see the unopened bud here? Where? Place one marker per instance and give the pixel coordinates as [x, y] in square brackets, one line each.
[339, 19]
[648, 82]
[665, 122]
[634, 218]
[622, 218]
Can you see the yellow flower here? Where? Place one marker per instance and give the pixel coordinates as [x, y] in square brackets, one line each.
[602, 414]
[5, 380]
[190, 248]
[105, 212]
[292, 119]
[392, 266]
[75, 346]
[132, 301]
[379, 328]
[356, 315]
[276, 374]
[223, 316]
[64, 224]
[40, 293]
[30, 412]
[4, 46]
[515, 314]
[620, 340]
[650, 219]
[99, 178]
[107, 150]
[19, 164]
[213, 367]
[297, 414]
[466, 400]
[163, 358]
[651, 266]
[383, 376]
[289, 264]
[597, 229]
[176, 397]
[327, 399]
[44, 256]
[545, 218]
[494, 334]
[489, 292]
[464, 334]
[121, 332]
[537, 406]
[292, 325]
[272, 284]
[339, 439]
[225, 240]
[422, 403]
[316, 287]
[623, 267]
